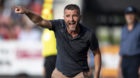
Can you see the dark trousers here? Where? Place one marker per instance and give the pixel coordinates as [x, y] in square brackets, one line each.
[49, 65]
[130, 66]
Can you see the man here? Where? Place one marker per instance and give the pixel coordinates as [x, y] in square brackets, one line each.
[73, 42]
[130, 45]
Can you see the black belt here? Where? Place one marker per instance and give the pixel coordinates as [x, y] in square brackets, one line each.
[131, 56]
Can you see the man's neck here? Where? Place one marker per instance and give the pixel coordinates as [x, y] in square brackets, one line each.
[74, 33]
[130, 26]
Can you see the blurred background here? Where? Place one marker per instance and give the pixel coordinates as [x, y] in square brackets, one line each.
[20, 39]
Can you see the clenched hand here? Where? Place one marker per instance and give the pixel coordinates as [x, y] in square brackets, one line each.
[20, 10]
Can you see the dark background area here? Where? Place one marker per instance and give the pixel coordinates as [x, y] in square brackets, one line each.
[106, 12]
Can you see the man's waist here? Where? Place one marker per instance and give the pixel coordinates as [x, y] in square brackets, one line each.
[71, 69]
[131, 56]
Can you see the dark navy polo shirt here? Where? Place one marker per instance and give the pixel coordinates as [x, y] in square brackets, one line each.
[72, 52]
[130, 41]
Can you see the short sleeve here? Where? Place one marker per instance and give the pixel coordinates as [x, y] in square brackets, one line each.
[55, 24]
[93, 42]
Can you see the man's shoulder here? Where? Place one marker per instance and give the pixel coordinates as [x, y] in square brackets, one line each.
[57, 23]
[87, 30]
[124, 27]
[138, 24]
[138, 27]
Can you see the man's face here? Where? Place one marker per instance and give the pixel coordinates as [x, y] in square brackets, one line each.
[130, 18]
[72, 18]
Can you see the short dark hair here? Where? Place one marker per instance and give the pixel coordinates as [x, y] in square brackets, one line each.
[72, 7]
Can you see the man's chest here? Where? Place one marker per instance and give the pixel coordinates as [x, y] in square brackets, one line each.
[133, 36]
[77, 44]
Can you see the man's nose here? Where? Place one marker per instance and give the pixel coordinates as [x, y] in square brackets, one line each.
[71, 18]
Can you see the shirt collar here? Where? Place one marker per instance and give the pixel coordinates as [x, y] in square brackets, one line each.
[79, 34]
[133, 27]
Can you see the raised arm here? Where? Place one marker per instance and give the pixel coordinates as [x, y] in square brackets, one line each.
[97, 62]
[38, 20]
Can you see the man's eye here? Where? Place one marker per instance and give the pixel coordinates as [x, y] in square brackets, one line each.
[67, 15]
[75, 15]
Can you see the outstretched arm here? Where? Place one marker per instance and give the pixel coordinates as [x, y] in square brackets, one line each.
[97, 62]
[38, 20]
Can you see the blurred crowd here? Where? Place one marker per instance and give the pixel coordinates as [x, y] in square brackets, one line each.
[19, 27]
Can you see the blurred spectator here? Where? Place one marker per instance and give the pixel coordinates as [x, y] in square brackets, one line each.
[36, 6]
[28, 32]
[11, 28]
[7, 28]
[130, 46]
[4, 33]
[1, 5]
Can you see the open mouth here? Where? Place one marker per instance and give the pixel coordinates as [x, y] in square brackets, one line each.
[72, 23]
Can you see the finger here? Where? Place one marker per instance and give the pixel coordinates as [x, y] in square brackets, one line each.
[18, 12]
[16, 9]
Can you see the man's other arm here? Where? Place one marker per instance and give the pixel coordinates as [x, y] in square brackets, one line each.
[97, 62]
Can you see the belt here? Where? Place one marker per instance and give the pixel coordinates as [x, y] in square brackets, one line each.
[131, 56]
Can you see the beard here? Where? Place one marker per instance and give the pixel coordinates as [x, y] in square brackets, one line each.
[72, 26]
[130, 21]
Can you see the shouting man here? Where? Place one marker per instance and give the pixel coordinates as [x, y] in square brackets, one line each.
[73, 42]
